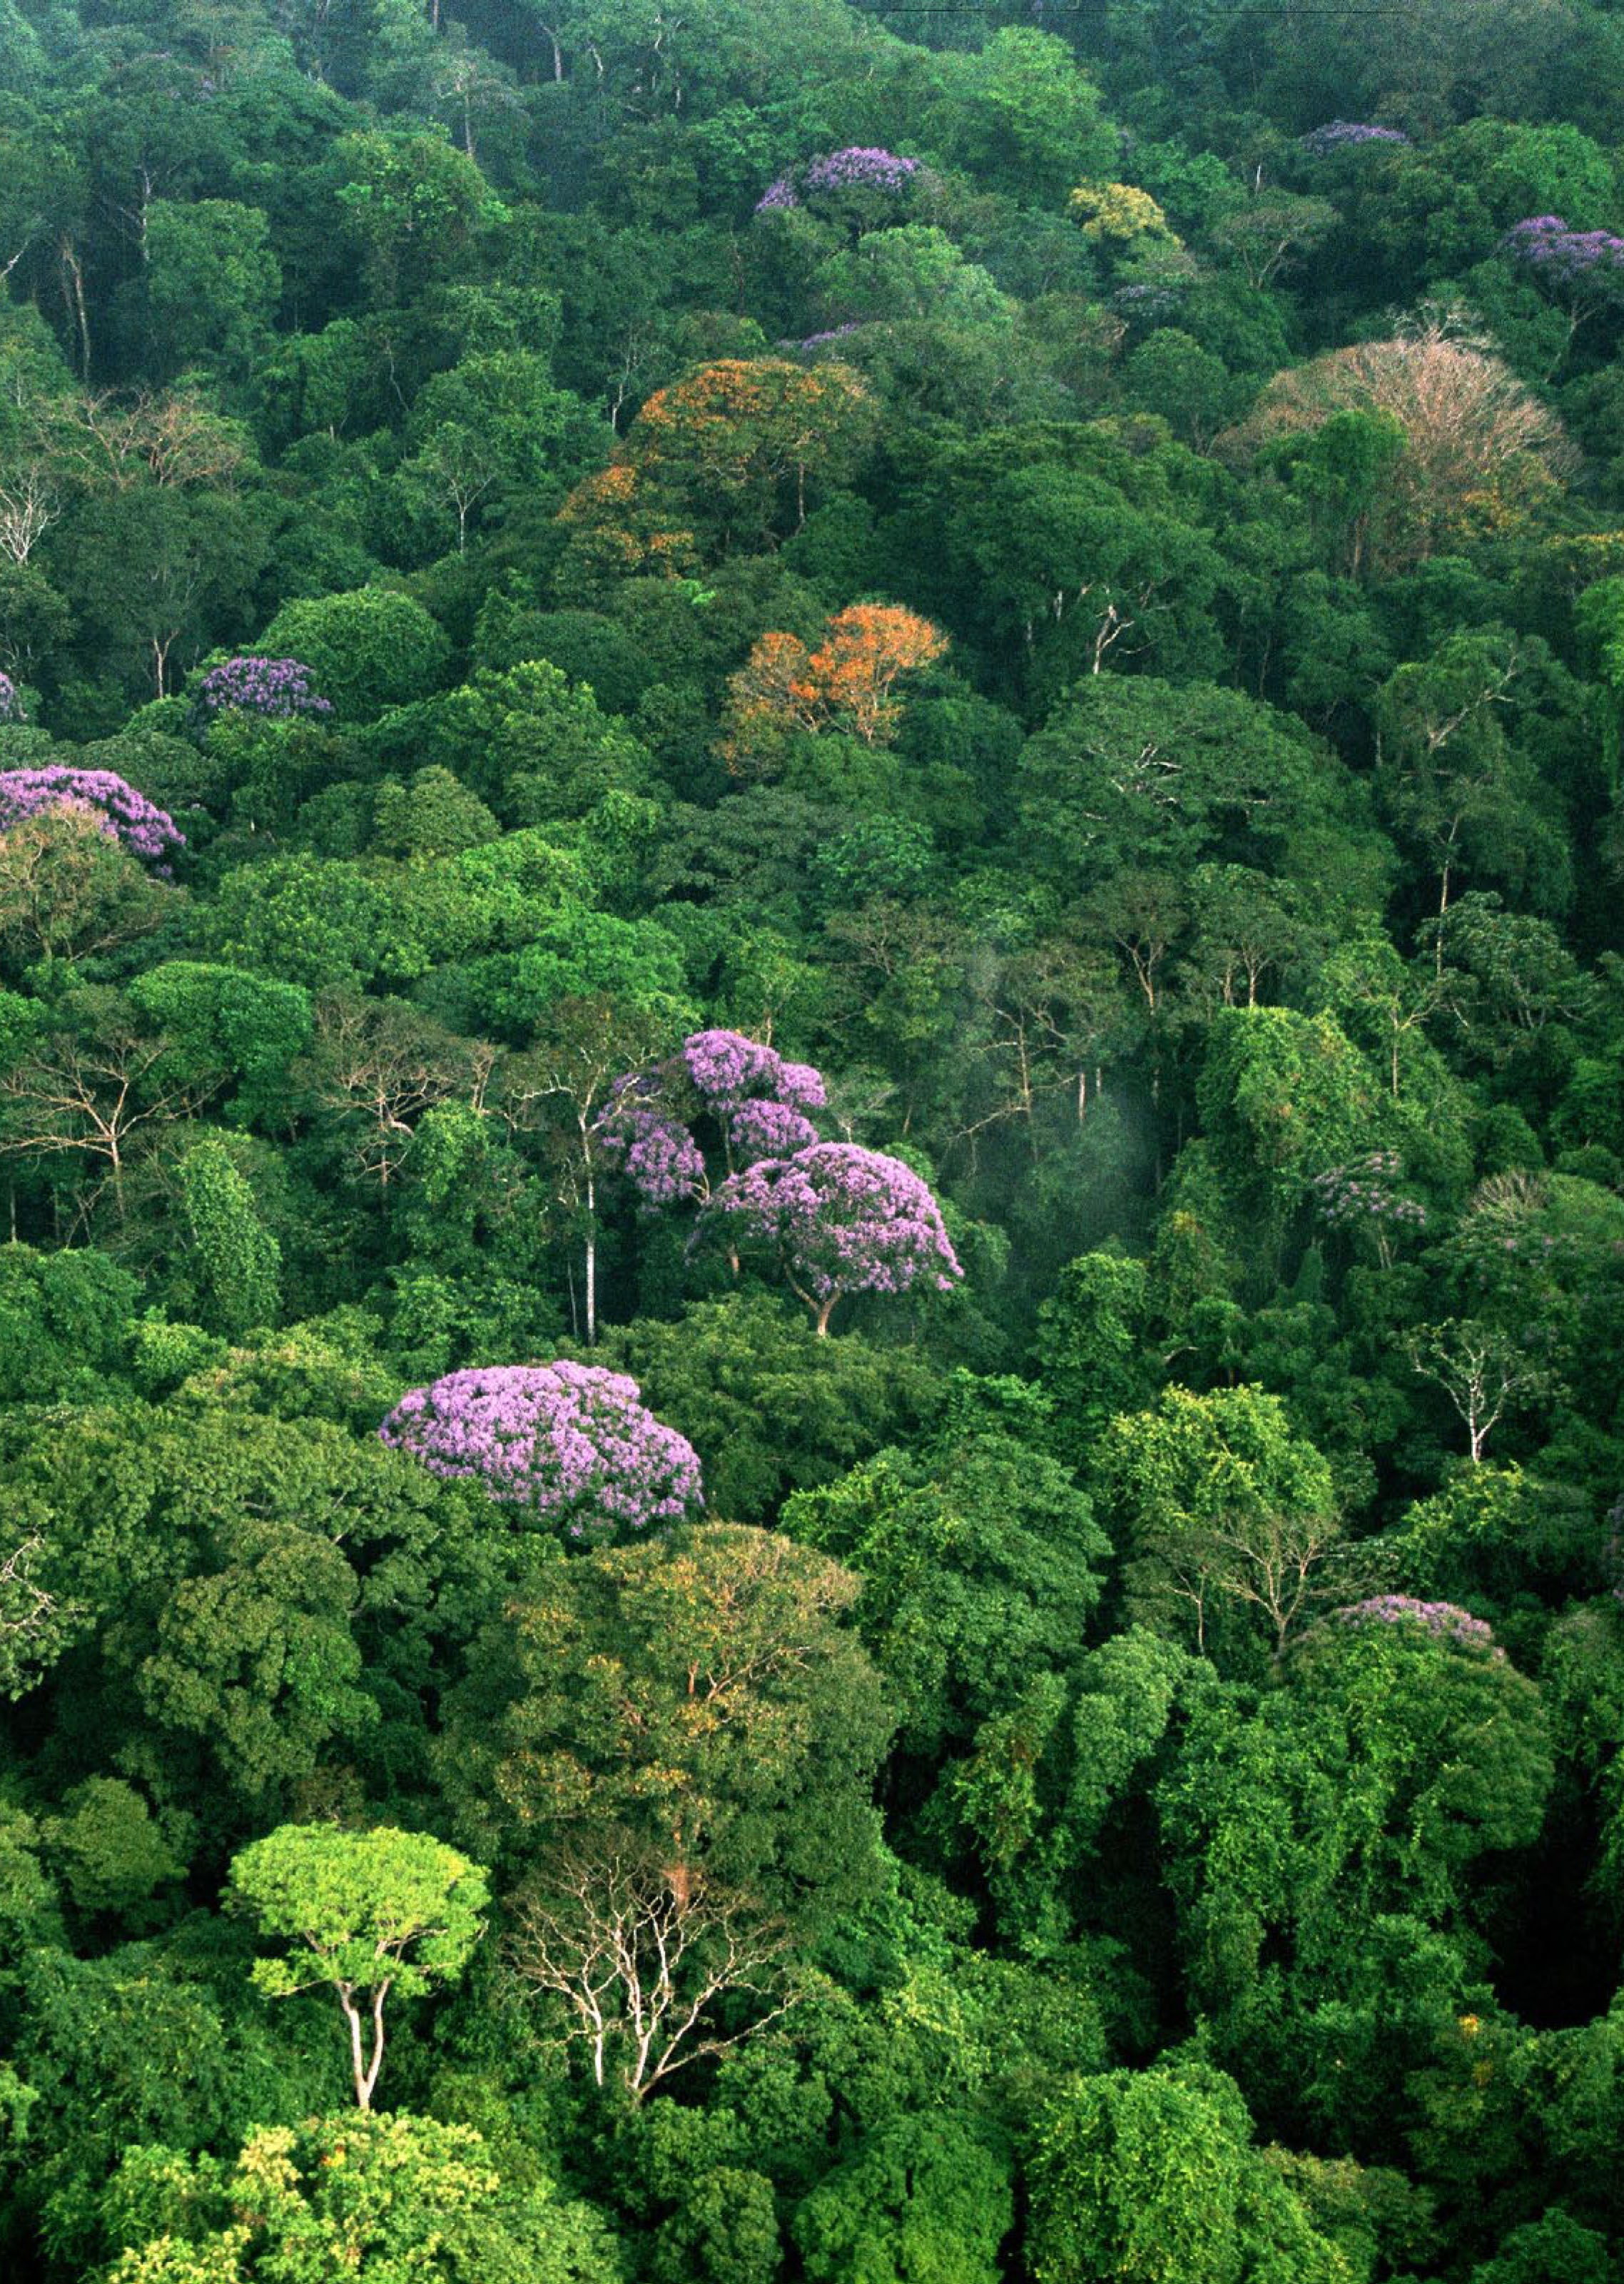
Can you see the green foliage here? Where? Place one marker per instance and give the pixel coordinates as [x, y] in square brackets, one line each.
[1150, 2174]
[365, 650]
[239, 1260]
[377, 2197]
[926, 2199]
[1192, 1645]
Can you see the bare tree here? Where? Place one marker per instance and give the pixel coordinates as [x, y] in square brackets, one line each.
[1281, 1567]
[380, 1064]
[89, 1097]
[641, 1953]
[24, 1604]
[1480, 1369]
[30, 505]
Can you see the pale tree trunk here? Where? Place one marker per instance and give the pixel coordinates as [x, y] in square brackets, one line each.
[365, 2063]
[591, 1247]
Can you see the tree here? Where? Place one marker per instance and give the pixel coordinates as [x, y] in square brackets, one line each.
[369, 1911]
[1482, 1371]
[839, 1219]
[1481, 452]
[69, 888]
[366, 650]
[577, 1059]
[570, 1444]
[239, 1261]
[1149, 2174]
[1446, 765]
[376, 2198]
[734, 1089]
[846, 683]
[87, 1087]
[213, 285]
[643, 1954]
[117, 810]
[925, 2198]
[769, 1407]
[717, 453]
[494, 423]
[414, 205]
[697, 1692]
[379, 1065]
[1142, 772]
[66, 1321]
[979, 1560]
[1215, 1498]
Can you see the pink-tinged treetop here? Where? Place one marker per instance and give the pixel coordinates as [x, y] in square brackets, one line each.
[10, 703]
[278, 687]
[840, 1219]
[123, 813]
[572, 1444]
[1444, 1620]
[745, 1095]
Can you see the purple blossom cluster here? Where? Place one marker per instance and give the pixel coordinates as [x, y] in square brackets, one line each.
[858, 168]
[1347, 1196]
[840, 1219]
[832, 333]
[277, 687]
[758, 1130]
[1347, 135]
[754, 1099]
[123, 814]
[1547, 243]
[572, 1443]
[11, 701]
[1445, 1621]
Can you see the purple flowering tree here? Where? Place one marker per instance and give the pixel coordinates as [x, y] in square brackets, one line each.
[572, 1443]
[11, 700]
[1339, 135]
[278, 688]
[121, 813]
[860, 167]
[1444, 1620]
[839, 1219]
[1366, 1197]
[1582, 268]
[742, 1097]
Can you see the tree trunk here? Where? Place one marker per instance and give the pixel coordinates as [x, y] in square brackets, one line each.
[591, 1260]
[364, 2066]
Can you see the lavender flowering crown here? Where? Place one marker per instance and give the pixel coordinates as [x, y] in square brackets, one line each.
[1347, 135]
[1546, 244]
[748, 1093]
[845, 1220]
[860, 167]
[278, 687]
[572, 1443]
[1444, 1620]
[121, 813]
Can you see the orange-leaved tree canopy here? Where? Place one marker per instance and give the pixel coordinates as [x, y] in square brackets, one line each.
[848, 683]
[726, 454]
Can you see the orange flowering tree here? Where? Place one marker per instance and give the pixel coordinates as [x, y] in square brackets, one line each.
[848, 683]
[724, 456]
